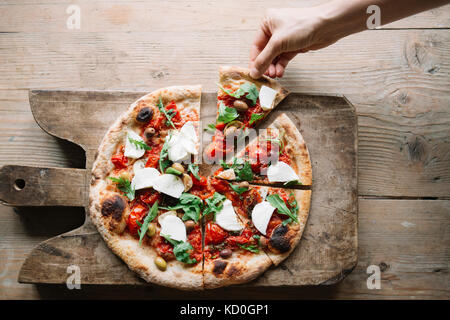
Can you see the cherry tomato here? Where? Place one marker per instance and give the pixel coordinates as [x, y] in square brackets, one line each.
[150, 197]
[137, 213]
[214, 234]
[119, 160]
[220, 185]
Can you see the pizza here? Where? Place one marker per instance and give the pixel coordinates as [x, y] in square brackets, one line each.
[176, 226]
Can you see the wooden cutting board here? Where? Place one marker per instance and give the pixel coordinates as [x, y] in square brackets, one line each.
[325, 255]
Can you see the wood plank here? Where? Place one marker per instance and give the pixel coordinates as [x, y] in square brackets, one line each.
[409, 239]
[138, 16]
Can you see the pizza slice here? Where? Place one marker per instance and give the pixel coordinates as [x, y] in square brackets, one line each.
[231, 254]
[275, 217]
[278, 156]
[242, 103]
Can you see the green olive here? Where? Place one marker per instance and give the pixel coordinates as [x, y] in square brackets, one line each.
[178, 166]
[151, 231]
[161, 263]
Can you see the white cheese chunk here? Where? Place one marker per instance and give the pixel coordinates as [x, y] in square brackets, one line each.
[176, 150]
[173, 227]
[261, 215]
[227, 218]
[164, 215]
[169, 184]
[267, 98]
[183, 143]
[263, 192]
[131, 151]
[227, 174]
[281, 172]
[144, 178]
[138, 165]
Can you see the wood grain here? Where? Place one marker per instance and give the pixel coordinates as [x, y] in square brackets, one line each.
[408, 239]
[138, 16]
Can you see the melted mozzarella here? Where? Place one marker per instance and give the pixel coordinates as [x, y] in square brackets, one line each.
[144, 178]
[173, 227]
[227, 218]
[261, 215]
[169, 184]
[281, 172]
[267, 98]
[131, 151]
[164, 215]
[227, 174]
[183, 143]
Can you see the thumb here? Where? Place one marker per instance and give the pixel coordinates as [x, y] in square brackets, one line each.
[265, 58]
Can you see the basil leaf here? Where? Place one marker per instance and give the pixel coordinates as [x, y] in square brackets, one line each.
[226, 114]
[251, 90]
[194, 169]
[124, 185]
[252, 247]
[293, 183]
[211, 128]
[153, 211]
[169, 114]
[244, 173]
[139, 144]
[238, 190]
[255, 117]
[173, 171]
[248, 88]
[180, 250]
[191, 205]
[276, 201]
[163, 162]
[214, 204]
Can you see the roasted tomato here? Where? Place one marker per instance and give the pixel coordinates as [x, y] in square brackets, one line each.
[245, 237]
[220, 185]
[214, 234]
[195, 239]
[119, 160]
[150, 197]
[153, 157]
[138, 211]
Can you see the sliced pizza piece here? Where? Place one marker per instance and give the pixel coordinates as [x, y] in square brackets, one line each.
[132, 174]
[276, 217]
[231, 254]
[278, 156]
[243, 102]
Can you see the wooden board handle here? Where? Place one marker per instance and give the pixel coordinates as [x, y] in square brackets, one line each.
[33, 186]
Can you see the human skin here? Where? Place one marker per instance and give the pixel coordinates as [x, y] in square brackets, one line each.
[286, 32]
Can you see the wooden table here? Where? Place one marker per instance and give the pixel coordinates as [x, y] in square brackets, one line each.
[397, 77]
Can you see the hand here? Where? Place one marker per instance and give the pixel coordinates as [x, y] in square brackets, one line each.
[283, 34]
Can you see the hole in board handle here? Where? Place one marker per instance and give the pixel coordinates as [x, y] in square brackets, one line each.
[19, 184]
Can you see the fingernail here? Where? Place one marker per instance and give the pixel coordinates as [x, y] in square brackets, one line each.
[254, 73]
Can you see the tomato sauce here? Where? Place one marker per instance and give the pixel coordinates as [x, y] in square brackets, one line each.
[195, 239]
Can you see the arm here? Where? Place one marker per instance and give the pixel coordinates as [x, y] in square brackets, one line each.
[286, 32]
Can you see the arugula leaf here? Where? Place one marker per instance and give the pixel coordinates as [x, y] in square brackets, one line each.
[287, 221]
[214, 204]
[139, 144]
[276, 201]
[169, 114]
[226, 114]
[211, 128]
[249, 247]
[194, 169]
[238, 190]
[247, 87]
[124, 185]
[173, 171]
[181, 250]
[255, 117]
[245, 172]
[278, 141]
[163, 162]
[257, 237]
[251, 90]
[242, 169]
[191, 205]
[153, 211]
[293, 183]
